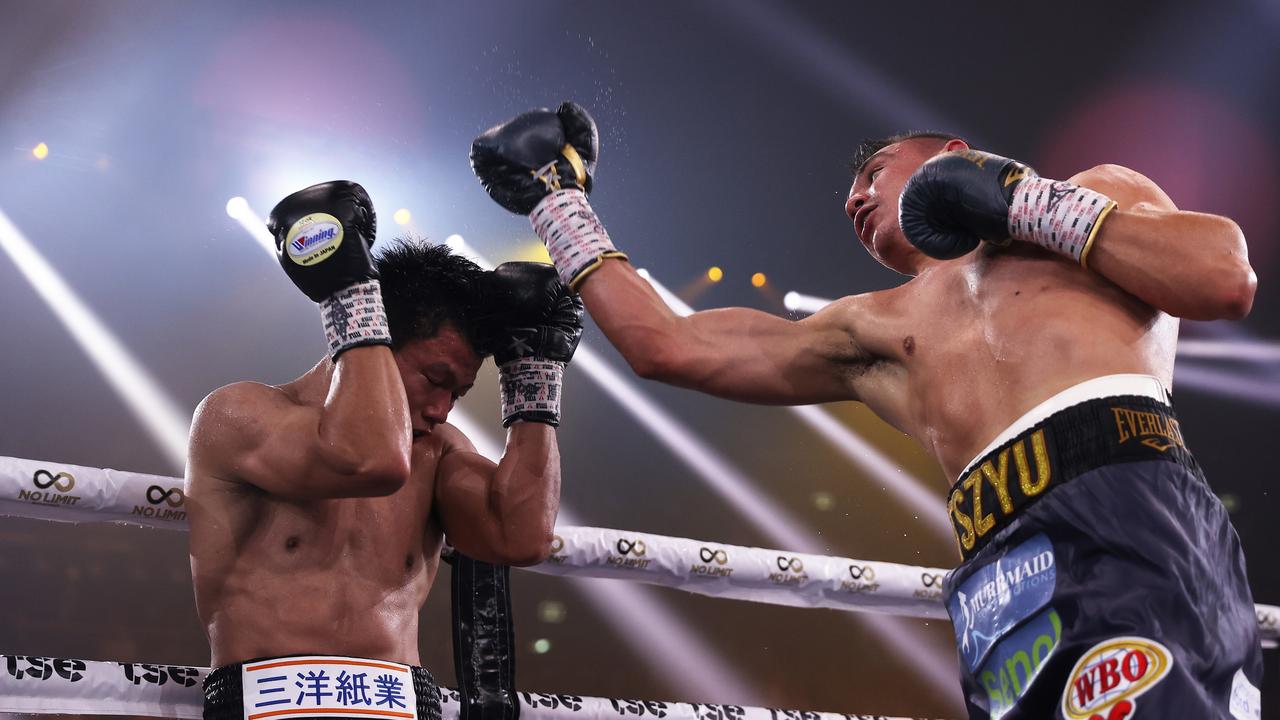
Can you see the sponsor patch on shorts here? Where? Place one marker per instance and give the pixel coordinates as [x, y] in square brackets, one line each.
[313, 238]
[1246, 700]
[327, 686]
[998, 596]
[1107, 680]
[1016, 660]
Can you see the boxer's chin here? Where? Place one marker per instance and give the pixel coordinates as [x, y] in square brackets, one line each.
[893, 251]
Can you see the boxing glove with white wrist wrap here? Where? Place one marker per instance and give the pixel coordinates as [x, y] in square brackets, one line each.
[323, 234]
[959, 198]
[541, 164]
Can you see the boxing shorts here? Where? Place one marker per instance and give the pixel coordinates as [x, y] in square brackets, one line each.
[1102, 579]
[329, 686]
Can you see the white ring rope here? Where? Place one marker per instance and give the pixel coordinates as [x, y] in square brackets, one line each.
[72, 493]
[57, 686]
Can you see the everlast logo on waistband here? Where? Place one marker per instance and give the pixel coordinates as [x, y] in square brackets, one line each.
[988, 490]
[1155, 430]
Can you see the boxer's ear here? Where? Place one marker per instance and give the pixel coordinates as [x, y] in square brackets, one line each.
[955, 144]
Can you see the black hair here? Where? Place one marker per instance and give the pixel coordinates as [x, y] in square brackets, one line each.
[425, 286]
[870, 147]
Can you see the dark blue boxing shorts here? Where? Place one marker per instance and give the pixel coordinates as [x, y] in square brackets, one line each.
[300, 687]
[1102, 579]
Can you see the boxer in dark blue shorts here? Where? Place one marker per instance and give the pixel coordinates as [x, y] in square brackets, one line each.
[1131, 590]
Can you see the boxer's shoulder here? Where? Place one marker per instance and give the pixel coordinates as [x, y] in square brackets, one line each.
[232, 420]
[240, 405]
[1128, 187]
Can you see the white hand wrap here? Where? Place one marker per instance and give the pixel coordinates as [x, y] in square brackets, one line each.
[574, 237]
[1058, 216]
[531, 390]
[354, 316]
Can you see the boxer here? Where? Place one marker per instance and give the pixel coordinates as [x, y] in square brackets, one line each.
[1030, 351]
[318, 508]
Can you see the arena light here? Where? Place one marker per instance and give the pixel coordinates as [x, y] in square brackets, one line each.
[669, 645]
[240, 211]
[759, 279]
[715, 274]
[162, 418]
[1258, 391]
[799, 302]
[1241, 350]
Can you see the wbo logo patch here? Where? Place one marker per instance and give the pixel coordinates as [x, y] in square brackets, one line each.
[1107, 680]
[1000, 595]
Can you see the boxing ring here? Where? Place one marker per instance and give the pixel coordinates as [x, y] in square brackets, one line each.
[70, 493]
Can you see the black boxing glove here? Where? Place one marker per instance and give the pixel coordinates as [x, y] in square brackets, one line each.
[541, 164]
[533, 323]
[521, 161]
[957, 199]
[323, 234]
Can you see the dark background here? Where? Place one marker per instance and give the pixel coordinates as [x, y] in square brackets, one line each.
[725, 128]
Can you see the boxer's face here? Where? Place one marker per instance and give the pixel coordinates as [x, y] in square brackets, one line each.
[436, 372]
[873, 201]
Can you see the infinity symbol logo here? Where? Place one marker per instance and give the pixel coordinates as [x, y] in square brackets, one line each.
[931, 580]
[62, 482]
[557, 544]
[792, 564]
[862, 572]
[626, 547]
[719, 556]
[172, 496]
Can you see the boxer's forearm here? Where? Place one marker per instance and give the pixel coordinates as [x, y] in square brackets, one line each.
[735, 353]
[633, 316]
[524, 494]
[364, 428]
[1189, 265]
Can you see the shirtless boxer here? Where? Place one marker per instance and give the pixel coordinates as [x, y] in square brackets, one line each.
[318, 508]
[1100, 574]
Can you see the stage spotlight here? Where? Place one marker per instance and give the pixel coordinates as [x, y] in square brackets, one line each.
[715, 274]
[758, 280]
[237, 207]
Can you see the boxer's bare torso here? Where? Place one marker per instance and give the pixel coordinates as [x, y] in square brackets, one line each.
[959, 352]
[280, 568]
[342, 576]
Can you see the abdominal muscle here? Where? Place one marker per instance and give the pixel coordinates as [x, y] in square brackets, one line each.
[331, 577]
[995, 334]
